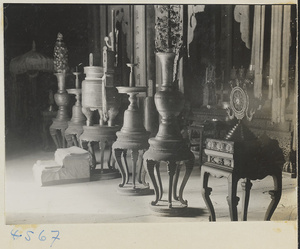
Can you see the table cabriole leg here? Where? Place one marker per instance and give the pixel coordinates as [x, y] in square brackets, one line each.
[246, 186]
[110, 158]
[140, 174]
[134, 158]
[232, 199]
[54, 135]
[150, 164]
[118, 154]
[178, 168]
[81, 143]
[102, 150]
[143, 176]
[113, 163]
[275, 194]
[206, 191]
[188, 170]
[92, 152]
[69, 140]
[63, 138]
[143, 171]
[126, 165]
[171, 172]
[75, 140]
[159, 180]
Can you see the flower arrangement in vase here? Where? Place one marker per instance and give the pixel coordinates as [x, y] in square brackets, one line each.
[169, 39]
[169, 29]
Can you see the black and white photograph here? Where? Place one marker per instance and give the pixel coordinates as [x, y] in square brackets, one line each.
[124, 114]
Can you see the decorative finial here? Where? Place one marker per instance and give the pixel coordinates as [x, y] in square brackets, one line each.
[59, 36]
[60, 55]
[91, 59]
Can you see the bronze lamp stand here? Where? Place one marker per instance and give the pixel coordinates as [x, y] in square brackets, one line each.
[75, 129]
[134, 137]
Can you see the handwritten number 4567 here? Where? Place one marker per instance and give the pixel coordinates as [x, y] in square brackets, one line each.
[41, 237]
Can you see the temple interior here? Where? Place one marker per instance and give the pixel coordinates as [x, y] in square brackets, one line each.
[150, 113]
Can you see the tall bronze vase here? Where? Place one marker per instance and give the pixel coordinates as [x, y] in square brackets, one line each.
[62, 98]
[169, 101]
[168, 144]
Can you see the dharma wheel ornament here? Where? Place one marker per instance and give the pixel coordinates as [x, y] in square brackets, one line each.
[239, 99]
[239, 105]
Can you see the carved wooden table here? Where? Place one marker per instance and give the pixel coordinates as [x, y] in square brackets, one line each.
[134, 137]
[249, 160]
[102, 135]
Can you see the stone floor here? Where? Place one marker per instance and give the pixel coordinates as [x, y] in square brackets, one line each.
[99, 201]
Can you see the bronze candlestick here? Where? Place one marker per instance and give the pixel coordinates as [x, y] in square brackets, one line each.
[133, 136]
[75, 129]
